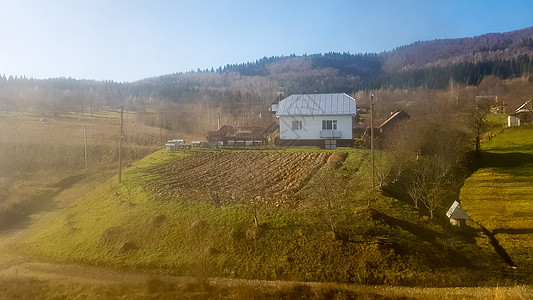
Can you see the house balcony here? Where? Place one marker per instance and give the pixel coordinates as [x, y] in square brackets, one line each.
[330, 134]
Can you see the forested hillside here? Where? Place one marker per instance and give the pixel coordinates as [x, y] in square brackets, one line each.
[467, 73]
[466, 60]
[242, 92]
[443, 52]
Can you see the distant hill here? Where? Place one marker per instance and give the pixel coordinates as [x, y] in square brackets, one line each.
[431, 64]
[440, 52]
[443, 52]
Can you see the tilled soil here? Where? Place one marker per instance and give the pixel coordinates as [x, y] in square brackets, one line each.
[238, 177]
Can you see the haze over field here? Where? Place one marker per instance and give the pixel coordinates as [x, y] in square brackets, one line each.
[132, 40]
[141, 155]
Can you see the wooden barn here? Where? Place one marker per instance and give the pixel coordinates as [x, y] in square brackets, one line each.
[240, 136]
[394, 118]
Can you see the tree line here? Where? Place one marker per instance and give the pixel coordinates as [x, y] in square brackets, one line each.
[239, 98]
[467, 73]
[321, 73]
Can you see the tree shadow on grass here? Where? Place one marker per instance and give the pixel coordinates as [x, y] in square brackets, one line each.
[419, 231]
[503, 160]
[423, 234]
[497, 247]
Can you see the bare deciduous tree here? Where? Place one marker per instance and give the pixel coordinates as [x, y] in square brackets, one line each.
[477, 119]
[455, 90]
[432, 181]
[427, 151]
[330, 196]
[435, 171]
[403, 143]
[383, 166]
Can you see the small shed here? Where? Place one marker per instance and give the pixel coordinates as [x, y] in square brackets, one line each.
[457, 214]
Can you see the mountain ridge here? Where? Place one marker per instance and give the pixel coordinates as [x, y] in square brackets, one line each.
[432, 64]
[464, 49]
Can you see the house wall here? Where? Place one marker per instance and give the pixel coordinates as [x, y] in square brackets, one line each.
[513, 121]
[311, 127]
[455, 222]
[316, 143]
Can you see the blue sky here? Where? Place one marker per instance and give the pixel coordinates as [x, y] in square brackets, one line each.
[127, 40]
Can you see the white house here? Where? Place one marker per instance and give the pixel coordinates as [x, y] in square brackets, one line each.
[323, 120]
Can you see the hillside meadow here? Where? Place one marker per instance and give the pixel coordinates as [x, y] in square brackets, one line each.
[322, 231]
[499, 195]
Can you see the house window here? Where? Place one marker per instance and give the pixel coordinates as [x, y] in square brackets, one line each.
[329, 124]
[296, 125]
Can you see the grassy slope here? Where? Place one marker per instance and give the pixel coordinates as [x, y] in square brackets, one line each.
[499, 195]
[125, 226]
[39, 159]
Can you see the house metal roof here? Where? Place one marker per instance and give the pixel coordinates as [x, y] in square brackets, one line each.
[316, 105]
[457, 212]
[397, 114]
[524, 107]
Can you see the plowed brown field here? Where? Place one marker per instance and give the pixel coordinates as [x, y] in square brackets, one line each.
[268, 178]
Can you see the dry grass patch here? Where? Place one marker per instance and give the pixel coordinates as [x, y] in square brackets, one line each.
[38, 159]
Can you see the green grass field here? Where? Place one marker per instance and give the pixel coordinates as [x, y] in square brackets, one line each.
[499, 195]
[131, 226]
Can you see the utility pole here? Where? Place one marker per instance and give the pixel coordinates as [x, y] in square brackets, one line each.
[85, 143]
[372, 145]
[120, 144]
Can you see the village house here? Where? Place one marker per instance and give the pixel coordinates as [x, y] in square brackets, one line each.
[522, 115]
[394, 118]
[323, 120]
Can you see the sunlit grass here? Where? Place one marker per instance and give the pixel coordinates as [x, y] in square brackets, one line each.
[125, 226]
[499, 195]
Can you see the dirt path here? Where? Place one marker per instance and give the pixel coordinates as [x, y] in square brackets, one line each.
[28, 278]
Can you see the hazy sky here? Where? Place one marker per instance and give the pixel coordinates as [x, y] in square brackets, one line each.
[127, 40]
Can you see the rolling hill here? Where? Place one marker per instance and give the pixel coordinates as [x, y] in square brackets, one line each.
[444, 52]
[467, 60]
[322, 231]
